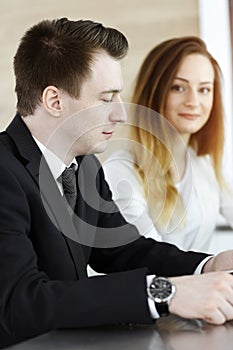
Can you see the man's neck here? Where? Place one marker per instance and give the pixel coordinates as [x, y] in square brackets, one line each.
[49, 137]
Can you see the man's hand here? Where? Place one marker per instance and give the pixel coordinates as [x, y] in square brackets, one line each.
[208, 297]
[222, 261]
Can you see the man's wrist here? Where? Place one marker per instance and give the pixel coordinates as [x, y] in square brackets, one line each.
[161, 290]
[200, 268]
[208, 266]
[153, 312]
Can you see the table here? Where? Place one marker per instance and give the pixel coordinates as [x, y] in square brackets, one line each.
[170, 333]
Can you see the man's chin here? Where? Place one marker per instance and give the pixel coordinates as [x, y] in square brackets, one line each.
[100, 148]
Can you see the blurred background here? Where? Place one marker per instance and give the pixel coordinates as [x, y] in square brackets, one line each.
[145, 23]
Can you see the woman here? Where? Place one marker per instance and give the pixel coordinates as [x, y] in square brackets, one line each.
[174, 188]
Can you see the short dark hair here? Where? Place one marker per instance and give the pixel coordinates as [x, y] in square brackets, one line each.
[60, 52]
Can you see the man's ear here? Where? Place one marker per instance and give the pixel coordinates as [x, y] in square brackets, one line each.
[51, 100]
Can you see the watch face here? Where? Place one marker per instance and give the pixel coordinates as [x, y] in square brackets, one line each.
[161, 290]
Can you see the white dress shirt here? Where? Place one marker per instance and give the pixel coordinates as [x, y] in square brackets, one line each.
[199, 188]
[56, 165]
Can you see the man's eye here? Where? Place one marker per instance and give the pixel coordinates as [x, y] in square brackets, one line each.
[107, 98]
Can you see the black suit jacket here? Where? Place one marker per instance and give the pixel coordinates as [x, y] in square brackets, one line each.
[43, 253]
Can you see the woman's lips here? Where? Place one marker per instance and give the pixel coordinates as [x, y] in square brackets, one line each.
[190, 116]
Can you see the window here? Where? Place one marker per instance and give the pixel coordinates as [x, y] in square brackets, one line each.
[215, 30]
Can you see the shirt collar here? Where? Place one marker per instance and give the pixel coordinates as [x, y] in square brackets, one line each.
[56, 165]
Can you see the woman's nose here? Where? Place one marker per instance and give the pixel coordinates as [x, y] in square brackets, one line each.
[191, 98]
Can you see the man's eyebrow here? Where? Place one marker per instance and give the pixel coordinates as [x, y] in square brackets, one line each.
[187, 81]
[111, 91]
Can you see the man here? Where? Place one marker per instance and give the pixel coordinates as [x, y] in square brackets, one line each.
[68, 84]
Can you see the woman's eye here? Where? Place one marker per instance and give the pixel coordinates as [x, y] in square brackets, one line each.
[177, 88]
[205, 90]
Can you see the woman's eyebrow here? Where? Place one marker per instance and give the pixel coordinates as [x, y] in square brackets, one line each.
[187, 81]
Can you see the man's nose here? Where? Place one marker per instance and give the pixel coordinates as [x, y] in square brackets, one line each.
[118, 113]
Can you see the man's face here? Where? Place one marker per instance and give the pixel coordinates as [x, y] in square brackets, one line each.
[88, 123]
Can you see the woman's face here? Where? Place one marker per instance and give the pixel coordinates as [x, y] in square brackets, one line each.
[190, 98]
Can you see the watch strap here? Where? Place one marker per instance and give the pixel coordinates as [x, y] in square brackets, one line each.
[162, 309]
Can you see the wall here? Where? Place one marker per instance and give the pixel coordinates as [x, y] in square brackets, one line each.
[145, 23]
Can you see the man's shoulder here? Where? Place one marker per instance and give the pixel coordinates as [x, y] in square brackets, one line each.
[8, 148]
[6, 144]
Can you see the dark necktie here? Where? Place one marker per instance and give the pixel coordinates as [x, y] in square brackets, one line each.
[70, 193]
[69, 186]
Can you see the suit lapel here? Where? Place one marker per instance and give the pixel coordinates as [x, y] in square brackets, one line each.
[50, 195]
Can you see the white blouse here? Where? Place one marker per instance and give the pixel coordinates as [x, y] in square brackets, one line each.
[200, 192]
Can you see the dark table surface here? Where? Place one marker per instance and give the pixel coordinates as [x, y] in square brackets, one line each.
[170, 333]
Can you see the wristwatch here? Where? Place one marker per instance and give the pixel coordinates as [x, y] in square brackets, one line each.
[161, 291]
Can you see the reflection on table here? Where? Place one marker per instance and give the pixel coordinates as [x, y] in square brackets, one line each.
[179, 334]
[170, 333]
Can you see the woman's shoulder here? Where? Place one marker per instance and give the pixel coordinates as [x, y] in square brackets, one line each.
[202, 168]
[120, 164]
[199, 160]
[122, 159]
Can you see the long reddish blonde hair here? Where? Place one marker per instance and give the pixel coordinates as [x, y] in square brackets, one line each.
[153, 83]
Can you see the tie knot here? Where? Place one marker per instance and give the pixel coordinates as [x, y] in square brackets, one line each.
[69, 180]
